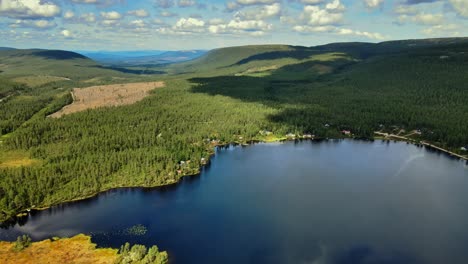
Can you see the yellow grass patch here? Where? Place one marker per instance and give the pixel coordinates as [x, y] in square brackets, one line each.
[107, 95]
[329, 56]
[77, 249]
[273, 138]
[322, 69]
[39, 79]
[259, 71]
[101, 80]
[16, 158]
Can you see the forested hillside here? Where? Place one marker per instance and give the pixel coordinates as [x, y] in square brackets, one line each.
[229, 95]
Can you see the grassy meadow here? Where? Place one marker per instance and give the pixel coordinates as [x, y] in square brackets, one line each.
[77, 249]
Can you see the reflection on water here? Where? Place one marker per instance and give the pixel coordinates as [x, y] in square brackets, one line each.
[331, 202]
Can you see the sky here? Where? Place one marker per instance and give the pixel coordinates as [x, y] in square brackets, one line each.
[206, 24]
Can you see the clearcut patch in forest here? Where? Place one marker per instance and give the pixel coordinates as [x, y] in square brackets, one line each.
[107, 95]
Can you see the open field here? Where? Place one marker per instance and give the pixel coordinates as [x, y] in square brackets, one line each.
[78, 249]
[107, 95]
[16, 158]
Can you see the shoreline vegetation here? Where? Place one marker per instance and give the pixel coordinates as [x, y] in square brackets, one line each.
[422, 143]
[76, 249]
[270, 139]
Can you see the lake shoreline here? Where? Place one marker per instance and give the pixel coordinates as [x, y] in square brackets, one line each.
[387, 136]
[381, 136]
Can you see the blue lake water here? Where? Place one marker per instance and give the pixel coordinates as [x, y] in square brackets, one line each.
[306, 202]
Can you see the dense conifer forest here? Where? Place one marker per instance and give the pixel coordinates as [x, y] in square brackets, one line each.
[258, 94]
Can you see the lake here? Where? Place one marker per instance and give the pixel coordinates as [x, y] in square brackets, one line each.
[324, 202]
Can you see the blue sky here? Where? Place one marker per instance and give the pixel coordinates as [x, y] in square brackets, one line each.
[204, 24]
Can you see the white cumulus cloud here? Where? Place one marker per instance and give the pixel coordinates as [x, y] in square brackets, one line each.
[255, 2]
[189, 22]
[66, 33]
[372, 4]
[189, 25]
[442, 29]
[369, 35]
[186, 3]
[311, 2]
[405, 9]
[249, 25]
[307, 29]
[138, 23]
[112, 15]
[138, 13]
[68, 15]
[44, 23]
[38, 24]
[85, 1]
[422, 19]
[28, 9]
[88, 17]
[259, 13]
[335, 6]
[429, 19]
[238, 26]
[460, 6]
[167, 14]
[314, 15]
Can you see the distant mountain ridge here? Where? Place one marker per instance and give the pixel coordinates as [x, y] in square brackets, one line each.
[44, 53]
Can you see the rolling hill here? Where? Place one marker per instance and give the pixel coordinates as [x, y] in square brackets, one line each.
[225, 60]
[54, 63]
[219, 58]
[367, 50]
[263, 60]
